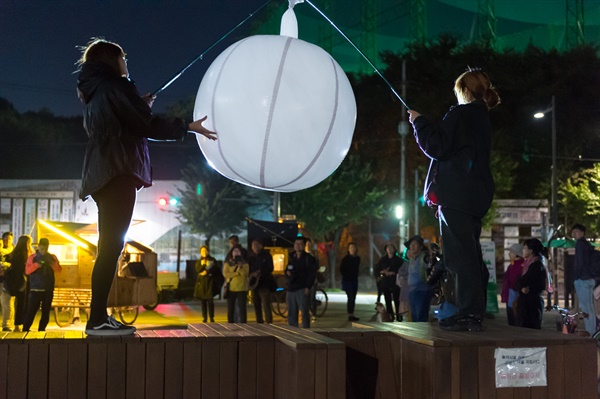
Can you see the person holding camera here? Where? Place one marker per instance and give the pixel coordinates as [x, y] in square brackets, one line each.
[236, 272]
[40, 267]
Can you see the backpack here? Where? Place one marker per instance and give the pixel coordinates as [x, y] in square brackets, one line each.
[13, 283]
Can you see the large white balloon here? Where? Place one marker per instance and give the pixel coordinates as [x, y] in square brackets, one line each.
[283, 109]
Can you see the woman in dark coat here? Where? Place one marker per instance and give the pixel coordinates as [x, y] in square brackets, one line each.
[349, 269]
[531, 284]
[387, 268]
[460, 185]
[204, 291]
[118, 123]
[15, 281]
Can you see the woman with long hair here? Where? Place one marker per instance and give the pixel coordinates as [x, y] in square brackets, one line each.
[118, 122]
[460, 185]
[206, 267]
[15, 281]
[387, 268]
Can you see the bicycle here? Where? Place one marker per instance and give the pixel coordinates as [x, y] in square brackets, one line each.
[279, 302]
[319, 299]
[567, 323]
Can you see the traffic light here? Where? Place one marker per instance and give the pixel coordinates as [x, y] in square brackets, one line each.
[173, 201]
[162, 201]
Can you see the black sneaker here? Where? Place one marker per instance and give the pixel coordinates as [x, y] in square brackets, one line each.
[109, 327]
[353, 318]
[468, 322]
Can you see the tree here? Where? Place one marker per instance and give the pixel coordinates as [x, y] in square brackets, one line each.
[349, 195]
[580, 199]
[210, 203]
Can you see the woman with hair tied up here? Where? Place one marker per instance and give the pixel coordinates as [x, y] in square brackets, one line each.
[460, 185]
[531, 284]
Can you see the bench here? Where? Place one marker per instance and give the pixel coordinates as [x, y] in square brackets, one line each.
[66, 300]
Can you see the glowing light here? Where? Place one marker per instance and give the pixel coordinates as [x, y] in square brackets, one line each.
[162, 201]
[538, 115]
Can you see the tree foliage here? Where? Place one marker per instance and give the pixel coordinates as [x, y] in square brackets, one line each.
[580, 198]
[220, 207]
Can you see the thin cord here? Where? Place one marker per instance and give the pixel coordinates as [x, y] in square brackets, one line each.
[178, 74]
[361, 53]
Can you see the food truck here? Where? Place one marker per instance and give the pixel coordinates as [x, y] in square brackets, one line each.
[75, 245]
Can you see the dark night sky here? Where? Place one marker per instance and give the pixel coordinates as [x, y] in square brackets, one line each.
[38, 38]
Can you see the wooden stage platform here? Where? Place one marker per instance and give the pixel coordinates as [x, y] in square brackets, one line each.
[380, 360]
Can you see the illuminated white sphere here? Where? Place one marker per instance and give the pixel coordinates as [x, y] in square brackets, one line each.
[283, 109]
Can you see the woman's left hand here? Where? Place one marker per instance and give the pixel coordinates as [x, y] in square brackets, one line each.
[197, 127]
[412, 115]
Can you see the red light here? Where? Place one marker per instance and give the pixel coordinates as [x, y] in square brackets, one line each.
[162, 201]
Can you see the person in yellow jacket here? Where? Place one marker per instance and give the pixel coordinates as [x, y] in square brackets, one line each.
[236, 272]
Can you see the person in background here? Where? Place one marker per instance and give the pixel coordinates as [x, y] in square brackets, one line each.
[118, 122]
[205, 267]
[6, 247]
[235, 240]
[301, 272]
[419, 292]
[531, 284]
[387, 268]
[236, 271]
[261, 277]
[510, 291]
[349, 268]
[15, 282]
[40, 267]
[584, 278]
[461, 186]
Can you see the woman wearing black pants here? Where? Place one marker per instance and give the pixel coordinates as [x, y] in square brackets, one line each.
[349, 268]
[117, 163]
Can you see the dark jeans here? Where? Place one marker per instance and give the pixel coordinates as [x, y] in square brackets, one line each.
[237, 299]
[261, 297]
[351, 301]
[392, 293]
[20, 307]
[464, 260]
[115, 209]
[419, 301]
[35, 299]
[208, 307]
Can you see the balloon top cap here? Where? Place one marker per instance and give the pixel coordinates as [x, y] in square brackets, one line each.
[289, 23]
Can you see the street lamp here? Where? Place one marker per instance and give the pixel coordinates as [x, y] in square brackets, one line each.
[538, 115]
[554, 207]
[400, 217]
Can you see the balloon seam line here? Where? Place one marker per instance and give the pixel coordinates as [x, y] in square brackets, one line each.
[276, 87]
[329, 130]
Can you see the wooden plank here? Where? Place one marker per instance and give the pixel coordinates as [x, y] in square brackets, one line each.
[155, 360]
[173, 365]
[3, 371]
[557, 373]
[247, 370]
[211, 363]
[17, 365]
[116, 370]
[136, 370]
[76, 367]
[572, 368]
[97, 369]
[589, 369]
[228, 368]
[320, 368]
[305, 376]
[37, 386]
[383, 352]
[487, 372]
[336, 373]
[440, 371]
[469, 365]
[455, 362]
[265, 364]
[286, 366]
[192, 370]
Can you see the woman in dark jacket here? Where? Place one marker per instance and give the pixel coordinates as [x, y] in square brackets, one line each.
[204, 291]
[460, 184]
[349, 268]
[117, 163]
[531, 284]
[387, 268]
[15, 281]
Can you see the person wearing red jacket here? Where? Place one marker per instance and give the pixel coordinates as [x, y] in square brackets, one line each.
[40, 268]
[510, 290]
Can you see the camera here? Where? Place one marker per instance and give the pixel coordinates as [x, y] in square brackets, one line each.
[239, 259]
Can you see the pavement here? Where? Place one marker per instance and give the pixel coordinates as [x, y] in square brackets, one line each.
[177, 315]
